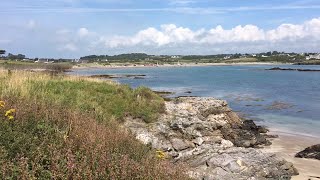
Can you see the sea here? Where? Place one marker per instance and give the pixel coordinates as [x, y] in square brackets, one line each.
[284, 101]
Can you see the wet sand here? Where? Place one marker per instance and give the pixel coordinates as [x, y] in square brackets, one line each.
[287, 145]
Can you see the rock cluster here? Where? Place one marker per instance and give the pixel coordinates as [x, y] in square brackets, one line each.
[290, 69]
[312, 152]
[212, 140]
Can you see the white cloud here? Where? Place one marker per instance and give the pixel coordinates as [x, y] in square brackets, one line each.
[170, 34]
[83, 32]
[173, 39]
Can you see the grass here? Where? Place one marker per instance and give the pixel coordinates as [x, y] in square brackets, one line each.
[70, 128]
[19, 65]
[309, 62]
[240, 60]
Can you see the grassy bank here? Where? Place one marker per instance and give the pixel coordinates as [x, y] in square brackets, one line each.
[68, 128]
[19, 65]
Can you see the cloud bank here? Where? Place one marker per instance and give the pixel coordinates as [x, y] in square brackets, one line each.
[172, 39]
[171, 34]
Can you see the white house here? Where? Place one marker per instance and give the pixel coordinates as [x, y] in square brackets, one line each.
[175, 57]
[227, 57]
[316, 56]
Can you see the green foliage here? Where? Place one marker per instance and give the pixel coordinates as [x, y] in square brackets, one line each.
[18, 56]
[125, 57]
[2, 51]
[308, 62]
[102, 99]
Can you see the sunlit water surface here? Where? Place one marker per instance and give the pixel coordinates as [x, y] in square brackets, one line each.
[250, 90]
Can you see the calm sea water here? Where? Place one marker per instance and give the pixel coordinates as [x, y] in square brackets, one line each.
[250, 90]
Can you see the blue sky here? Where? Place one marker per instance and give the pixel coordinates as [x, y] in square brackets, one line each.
[73, 28]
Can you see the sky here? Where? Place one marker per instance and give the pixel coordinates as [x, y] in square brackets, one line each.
[75, 28]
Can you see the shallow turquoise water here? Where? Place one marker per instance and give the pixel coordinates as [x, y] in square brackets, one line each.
[250, 90]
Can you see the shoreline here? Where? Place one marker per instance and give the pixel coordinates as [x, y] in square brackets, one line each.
[176, 65]
[287, 145]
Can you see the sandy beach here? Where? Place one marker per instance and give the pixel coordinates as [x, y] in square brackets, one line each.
[287, 145]
[117, 66]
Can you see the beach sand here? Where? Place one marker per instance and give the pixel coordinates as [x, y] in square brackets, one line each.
[97, 66]
[287, 145]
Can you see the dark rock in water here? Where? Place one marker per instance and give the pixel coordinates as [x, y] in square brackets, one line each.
[113, 76]
[278, 105]
[312, 152]
[290, 69]
[262, 129]
[188, 92]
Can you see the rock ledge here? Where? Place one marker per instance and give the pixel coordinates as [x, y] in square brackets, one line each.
[212, 140]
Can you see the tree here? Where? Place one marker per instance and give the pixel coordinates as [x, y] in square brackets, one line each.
[16, 57]
[20, 56]
[2, 52]
[269, 53]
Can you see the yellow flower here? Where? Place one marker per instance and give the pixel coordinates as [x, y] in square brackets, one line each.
[2, 103]
[11, 117]
[9, 112]
[160, 154]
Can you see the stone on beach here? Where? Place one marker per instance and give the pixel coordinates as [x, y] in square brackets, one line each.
[212, 140]
[312, 152]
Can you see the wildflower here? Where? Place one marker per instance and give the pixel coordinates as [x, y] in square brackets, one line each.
[2, 103]
[10, 112]
[11, 117]
[160, 154]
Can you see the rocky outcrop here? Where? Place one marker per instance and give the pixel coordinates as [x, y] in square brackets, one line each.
[312, 152]
[290, 69]
[212, 140]
[114, 76]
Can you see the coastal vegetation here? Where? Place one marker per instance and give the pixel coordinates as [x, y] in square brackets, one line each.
[20, 65]
[309, 62]
[59, 127]
[20, 61]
